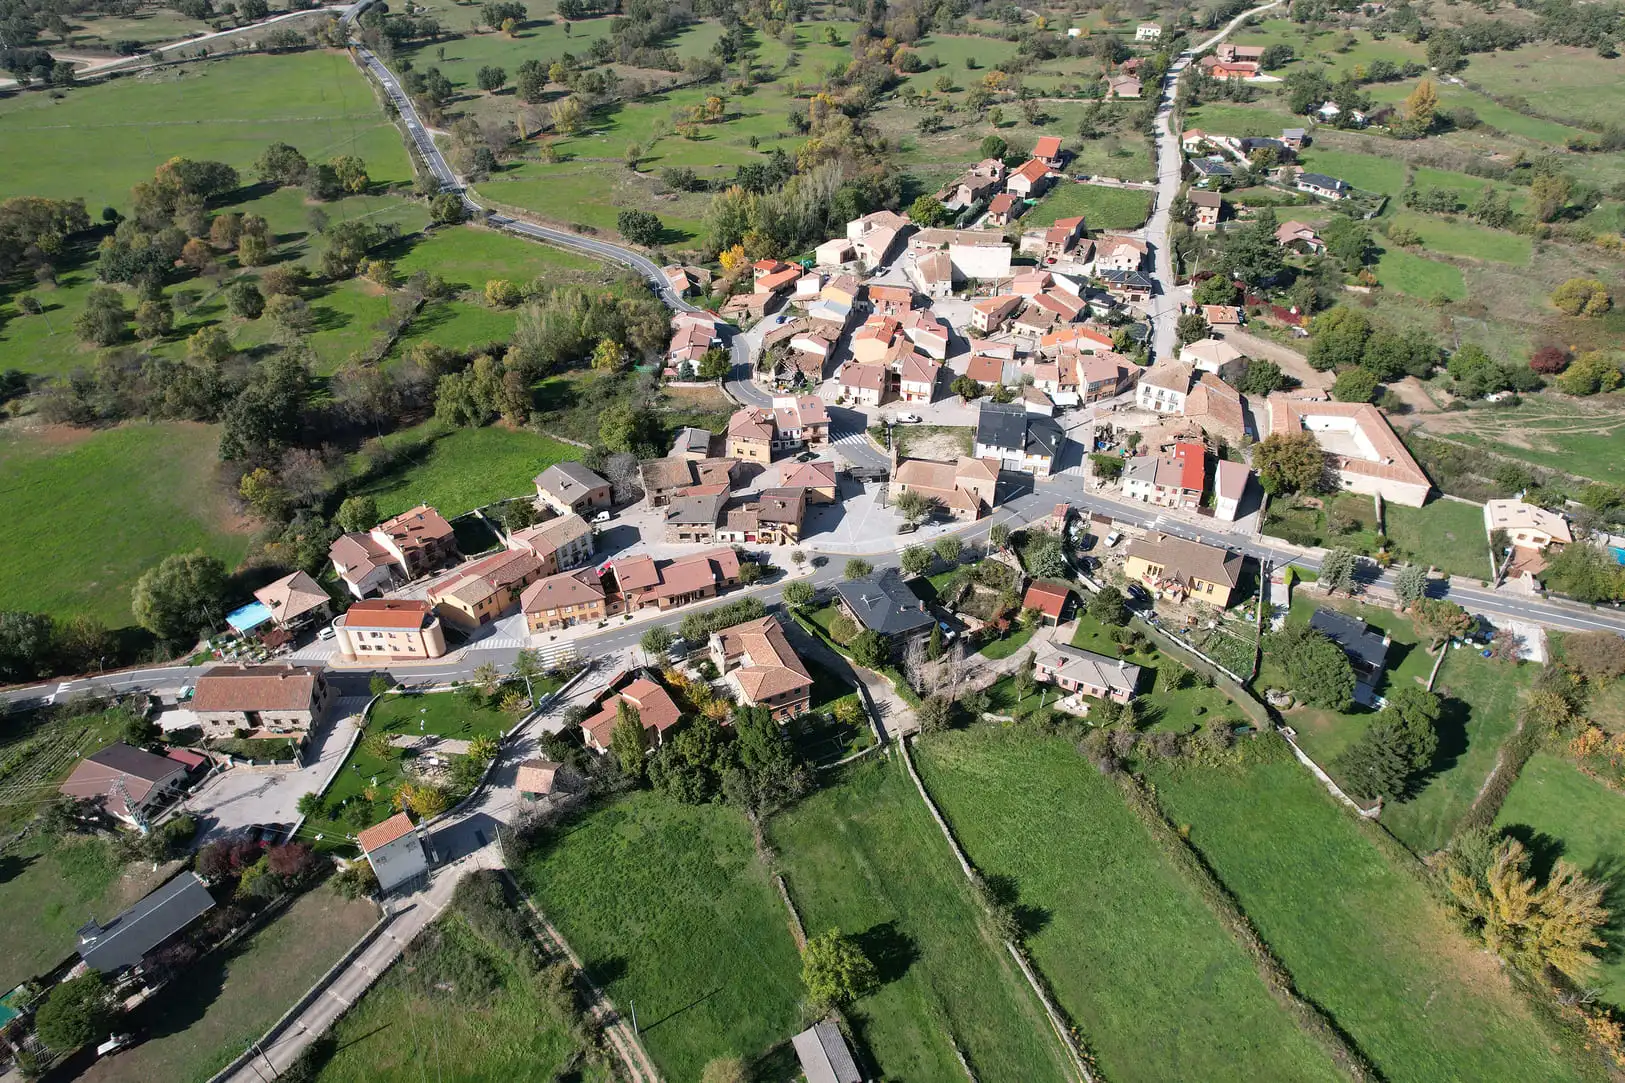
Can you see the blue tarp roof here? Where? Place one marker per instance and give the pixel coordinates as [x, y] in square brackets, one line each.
[249, 617]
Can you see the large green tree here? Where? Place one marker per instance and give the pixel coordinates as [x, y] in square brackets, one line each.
[1317, 670]
[184, 593]
[835, 970]
[77, 1011]
[1290, 462]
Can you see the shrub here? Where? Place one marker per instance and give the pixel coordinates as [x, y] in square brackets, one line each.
[1582, 297]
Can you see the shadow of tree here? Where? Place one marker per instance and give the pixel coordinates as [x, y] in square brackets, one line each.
[891, 950]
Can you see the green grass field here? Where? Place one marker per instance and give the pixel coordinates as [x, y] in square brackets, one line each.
[126, 497]
[1448, 534]
[456, 470]
[1405, 272]
[99, 140]
[1461, 238]
[863, 855]
[668, 906]
[1559, 81]
[1480, 712]
[227, 1000]
[1259, 118]
[403, 1028]
[1102, 208]
[1365, 171]
[1163, 708]
[1361, 937]
[1558, 811]
[1557, 434]
[1134, 957]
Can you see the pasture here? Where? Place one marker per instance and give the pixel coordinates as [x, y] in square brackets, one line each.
[1447, 534]
[864, 856]
[97, 141]
[406, 1025]
[457, 470]
[1462, 238]
[668, 906]
[1133, 956]
[1102, 208]
[1551, 433]
[1403, 271]
[1362, 937]
[128, 497]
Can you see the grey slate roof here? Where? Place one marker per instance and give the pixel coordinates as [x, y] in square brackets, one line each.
[704, 510]
[883, 603]
[1138, 279]
[1366, 647]
[156, 918]
[1210, 167]
[824, 1057]
[1321, 180]
[1011, 427]
[569, 479]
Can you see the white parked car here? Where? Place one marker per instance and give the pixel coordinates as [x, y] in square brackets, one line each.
[327, 632]
[908, 419]
[602, 517]
[1113, 538]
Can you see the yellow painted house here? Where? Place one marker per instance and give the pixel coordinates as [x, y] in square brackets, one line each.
[1184, 569]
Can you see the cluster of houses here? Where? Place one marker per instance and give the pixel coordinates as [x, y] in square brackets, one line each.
[1212, 159]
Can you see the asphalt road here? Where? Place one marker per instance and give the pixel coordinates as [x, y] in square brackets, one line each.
[1170, 169]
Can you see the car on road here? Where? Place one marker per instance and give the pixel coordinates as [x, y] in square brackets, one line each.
[806, 456]
[602, 517]
[908, 419]
[327, 633]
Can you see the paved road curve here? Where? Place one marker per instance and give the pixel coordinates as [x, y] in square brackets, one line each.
[1170, 166]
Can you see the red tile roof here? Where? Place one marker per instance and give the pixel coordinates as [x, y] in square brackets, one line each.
[1048, 146]
[387, 613]
[1048, 598]
[380, 835]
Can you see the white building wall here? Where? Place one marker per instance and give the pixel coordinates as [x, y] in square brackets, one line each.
[980, 261]
[399, 861]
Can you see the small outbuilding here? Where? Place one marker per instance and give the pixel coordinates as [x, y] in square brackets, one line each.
[824, 1056]
[394, 850]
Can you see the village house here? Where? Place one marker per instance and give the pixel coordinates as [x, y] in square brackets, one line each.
[485, 589]
[890, 300]
[693, 516]
[1076, 338]
[932, 274]
[1028, 182]
[1229, 69]
[692, 443]
[409, 545]
[1229, 488]
[882, 603]
[1048, 150]
[772, 517]
[1017, 439]
[917, 379]
[295, 600]
[656, 711]
[875, 236]
[396, 851]
[641, 581]
[794, 421]
[991, 368]
[974, 255]
[871, 341]
[570, 487]
[1213, 355]
[1173, 479]
[1103, 375]
[558, 544]
[1184, 569]
[146, 926]
[1362, 450]
[1527, 525]
[666, 478]
[1122, 87]
[1005, 208]
[773, 275]
[274, 700]
[749, 306]
[1299, 237]
[1208, 206]
[1209, 169]
[816, 480]
[973, 186]
[538, 778]
[686, 280]
[1222, 317]
[966, 488]
[1215, 407]
[1048, 598]
[1230, 52]
[565, 600]
[1195, 141]
[389, 629]
[693, 335]
[865, 384]
[1034, 321]
[1147, 32]
[758, 663]
[1054, 243]
[1319, 184]
[808, 288]
[1114, 253]
[988, 314]
[130, 784]
[928, 334]
[834, 252]
[1128, 286]
[1085, 672]
[1163, 387]
[1365, 647]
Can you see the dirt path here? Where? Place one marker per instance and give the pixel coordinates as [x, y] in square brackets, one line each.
[1292, 362]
